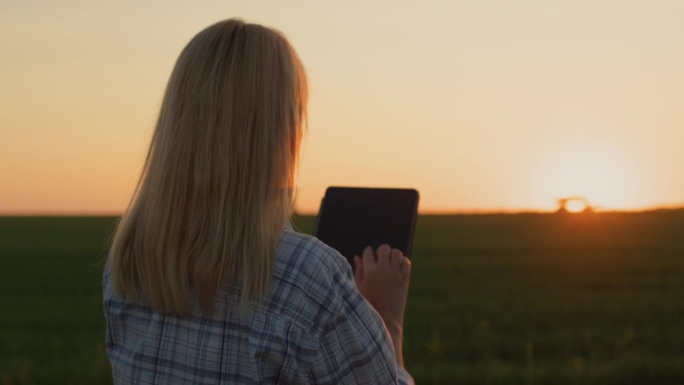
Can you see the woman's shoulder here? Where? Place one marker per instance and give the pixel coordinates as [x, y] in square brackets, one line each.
[307, 252]
[311, 279]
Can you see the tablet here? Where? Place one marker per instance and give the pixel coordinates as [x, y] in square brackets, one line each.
[352, 218]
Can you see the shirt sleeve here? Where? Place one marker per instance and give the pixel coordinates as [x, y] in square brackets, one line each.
[355, 347]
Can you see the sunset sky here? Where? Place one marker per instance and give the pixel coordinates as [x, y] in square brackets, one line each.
[487, 105]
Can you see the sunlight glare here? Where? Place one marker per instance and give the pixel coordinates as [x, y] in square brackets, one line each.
[575, 206]
[589, 170]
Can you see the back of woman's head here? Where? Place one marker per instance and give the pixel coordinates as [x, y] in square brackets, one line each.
[217, 186]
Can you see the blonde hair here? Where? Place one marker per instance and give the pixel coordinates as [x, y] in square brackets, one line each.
[217, 187]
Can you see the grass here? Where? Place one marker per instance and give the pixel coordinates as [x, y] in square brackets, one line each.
[494, 299]
[51, 324]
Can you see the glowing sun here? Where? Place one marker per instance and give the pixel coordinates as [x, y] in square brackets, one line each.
[598, 176]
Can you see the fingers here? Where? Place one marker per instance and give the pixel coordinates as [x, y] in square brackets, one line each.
[384, 254]
[396, 257]
[406, 268]
[368, 257]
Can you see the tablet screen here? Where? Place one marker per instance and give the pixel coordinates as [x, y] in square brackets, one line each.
[352, 218]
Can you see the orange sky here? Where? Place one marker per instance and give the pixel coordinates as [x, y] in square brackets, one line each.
[480, 105]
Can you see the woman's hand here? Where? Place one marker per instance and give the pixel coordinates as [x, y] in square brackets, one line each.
[383, 277]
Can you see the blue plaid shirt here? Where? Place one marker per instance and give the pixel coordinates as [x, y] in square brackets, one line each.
[313, 327]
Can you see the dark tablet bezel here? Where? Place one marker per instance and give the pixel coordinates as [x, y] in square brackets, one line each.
[379, 204]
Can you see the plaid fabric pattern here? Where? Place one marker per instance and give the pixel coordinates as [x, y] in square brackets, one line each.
[313, 327]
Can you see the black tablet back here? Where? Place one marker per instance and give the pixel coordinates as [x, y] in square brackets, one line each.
[352, 218]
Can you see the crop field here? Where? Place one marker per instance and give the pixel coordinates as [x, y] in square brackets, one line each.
[494, 299]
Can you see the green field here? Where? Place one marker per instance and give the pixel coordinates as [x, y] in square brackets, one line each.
[494, 299]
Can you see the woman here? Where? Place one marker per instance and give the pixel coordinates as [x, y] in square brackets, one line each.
[206, 282]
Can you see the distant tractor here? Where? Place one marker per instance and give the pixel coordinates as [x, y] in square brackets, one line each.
[574, 204]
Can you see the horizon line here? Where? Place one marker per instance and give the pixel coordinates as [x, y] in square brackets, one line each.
[435, 212]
